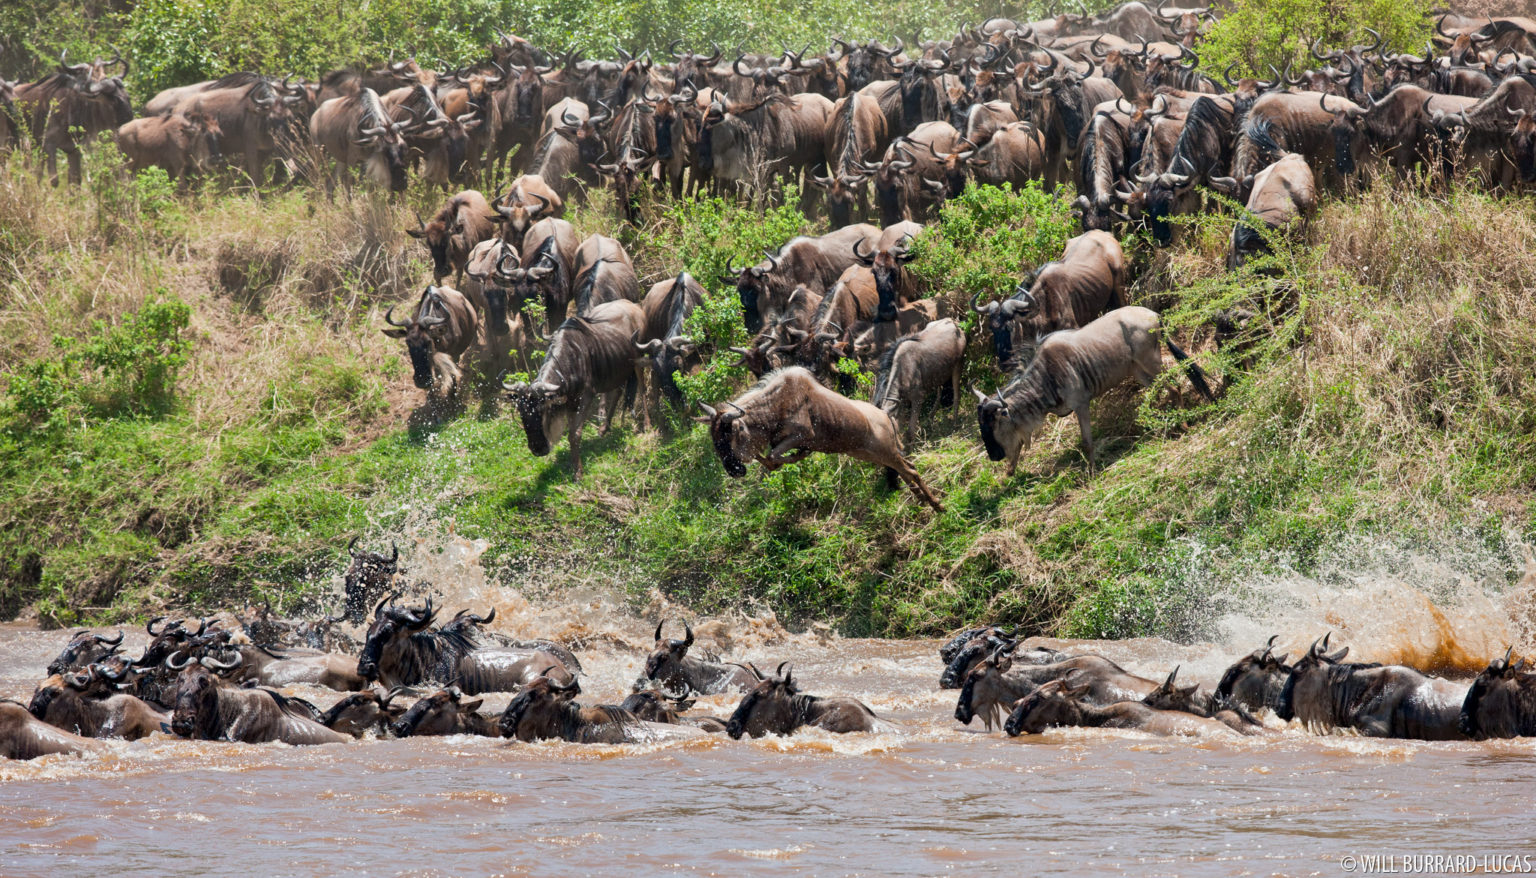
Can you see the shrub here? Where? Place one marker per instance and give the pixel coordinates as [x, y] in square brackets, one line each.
[1258, 34]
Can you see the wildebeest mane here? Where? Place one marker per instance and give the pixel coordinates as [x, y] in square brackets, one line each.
[427, 655]
[238, 80]
[883, 372]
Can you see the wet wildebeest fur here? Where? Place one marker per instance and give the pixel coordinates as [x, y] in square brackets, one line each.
[1060, 703]
[1380, 701]
[402, 651]
[85, 648]
[1195, 700]
[444, 713]
[1256, 680]
[670, 667]
[362, 712]
[209, 710]
[1501, 702]
[995, 683]
[545, 710]
[789, 414]
[776, 706]
[1069, 371]
[651, 705]
[24, 736]
[68, 701]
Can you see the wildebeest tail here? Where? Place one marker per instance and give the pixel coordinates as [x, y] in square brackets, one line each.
[1191, 368]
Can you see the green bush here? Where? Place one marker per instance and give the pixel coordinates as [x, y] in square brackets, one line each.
[1258, 34]
[706, 235]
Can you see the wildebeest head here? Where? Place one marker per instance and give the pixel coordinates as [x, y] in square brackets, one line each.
[983, 693]
[518, 214]
[361, 712]
[977, 647]
[367, 577]
[1257, 679]
[769, 709]
[841, 193]
[999, 318]
[867, 62]
[535, 713]
[1161, 196]
[85, 648]
[1005, 432]
[1053, 704]
[651, 705]
[439, 236]
[1345, 131]
[542, 408]
[751, 284]
[731, 436]
[665, 663]
[1501, 702]
[1317, 658]
[384, 141]
[1522, 143]
[391, 624]
[1170, 696]
[438, 714]
[420, 344]
[886, 266]
[197, 693]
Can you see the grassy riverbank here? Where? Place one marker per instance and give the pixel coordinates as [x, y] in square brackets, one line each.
[199, 409]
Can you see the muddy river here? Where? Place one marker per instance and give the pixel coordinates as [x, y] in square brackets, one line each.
[930, 798]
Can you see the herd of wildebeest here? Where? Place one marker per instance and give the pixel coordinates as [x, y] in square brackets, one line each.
[1115, 103]
[214, 681]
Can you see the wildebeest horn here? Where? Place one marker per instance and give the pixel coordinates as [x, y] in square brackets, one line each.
[150, 626]
[477, 620]
[859, 255]
[213, 664]
[389, 317]
[1168, 684]
[170, 661]
[573, 687]
[202, 625]
[664, 621]
[109, 641]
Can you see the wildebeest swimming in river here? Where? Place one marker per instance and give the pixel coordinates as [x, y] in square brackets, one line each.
[209, 710]
[401, 651]
[367, 578]
[776, 706]
[670, 667]
[1381, 701]
[1255, 681]
[1061, 703]
[1501, 702]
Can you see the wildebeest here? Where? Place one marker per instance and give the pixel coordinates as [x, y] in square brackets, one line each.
[545, 710]
[85, 648]
[1501, 702]
[651, 705]
[1007, 675]
[441, 329]
[1281, 122]
[1071, 369]
[270, 666]
[453, 232]
[604, 273]
[24, 736]
[1194, 700]
[664, 344]
[444, 712]
[180, 144]
[776, 706]
[362, 712]
[1069, 293]
[815, 263]
[528, 200]
[1061, 703]
[1380, 701]
[357, 130]
[589, 356]
[367, 578]
[255, 116]
[71, 106]
[1255, 681]
[919, 364]
[209, 710]
[670, 667]
[64, 700]
[402, 650]
[1281, 194]
[789, 415]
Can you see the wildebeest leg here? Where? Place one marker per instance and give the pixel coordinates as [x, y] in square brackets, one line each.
[573, 433]
[908, 473]
[72, 155]
[1087, 431]
[610, 405]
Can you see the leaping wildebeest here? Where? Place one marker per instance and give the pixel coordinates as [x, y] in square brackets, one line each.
[789, 415]
[1072, 368]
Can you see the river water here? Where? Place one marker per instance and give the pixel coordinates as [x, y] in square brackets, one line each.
[929, 798]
